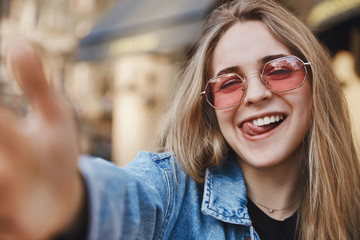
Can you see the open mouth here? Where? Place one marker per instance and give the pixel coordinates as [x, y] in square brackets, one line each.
[262, 125]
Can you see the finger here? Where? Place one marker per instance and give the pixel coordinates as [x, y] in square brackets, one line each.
[15, 152]
[10, 136]
[14, 148]
[25, 64]
[9, 139]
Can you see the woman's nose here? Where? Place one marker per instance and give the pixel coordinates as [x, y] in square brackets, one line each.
[256, 91]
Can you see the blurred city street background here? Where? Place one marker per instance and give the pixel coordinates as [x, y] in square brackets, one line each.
[117, 61]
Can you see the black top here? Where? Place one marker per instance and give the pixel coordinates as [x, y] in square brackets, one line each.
[269, 228]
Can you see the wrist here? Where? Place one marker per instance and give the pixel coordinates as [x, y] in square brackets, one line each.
[76, 225]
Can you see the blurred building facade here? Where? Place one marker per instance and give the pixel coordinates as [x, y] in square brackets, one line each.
[144, 40]
[55, 27]
[337, 25]
[117, 60]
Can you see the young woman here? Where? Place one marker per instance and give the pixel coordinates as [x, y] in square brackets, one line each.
[257, 145]
[304, 162]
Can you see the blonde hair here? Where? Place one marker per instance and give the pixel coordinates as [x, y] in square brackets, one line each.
[331, 195]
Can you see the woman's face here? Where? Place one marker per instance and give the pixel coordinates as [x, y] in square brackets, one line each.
[242, 48]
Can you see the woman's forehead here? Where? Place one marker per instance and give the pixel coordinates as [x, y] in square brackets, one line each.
[245, 44]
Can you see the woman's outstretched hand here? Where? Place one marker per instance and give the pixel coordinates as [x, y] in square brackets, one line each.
[41, 190]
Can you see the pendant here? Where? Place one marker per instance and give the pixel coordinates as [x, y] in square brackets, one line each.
[271, 210]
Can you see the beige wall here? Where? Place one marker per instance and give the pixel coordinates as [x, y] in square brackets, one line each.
[141, 88]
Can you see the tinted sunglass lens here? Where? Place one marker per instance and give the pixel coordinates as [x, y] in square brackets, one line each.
[225, 91]
[284, 74]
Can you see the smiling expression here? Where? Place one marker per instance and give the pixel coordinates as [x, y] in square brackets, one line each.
[266, 128]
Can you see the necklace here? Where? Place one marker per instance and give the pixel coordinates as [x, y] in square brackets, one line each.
[271, 210]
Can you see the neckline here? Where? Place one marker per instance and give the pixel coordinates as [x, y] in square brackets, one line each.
[260, 212]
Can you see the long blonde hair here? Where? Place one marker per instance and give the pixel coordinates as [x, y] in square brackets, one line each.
[331, 195]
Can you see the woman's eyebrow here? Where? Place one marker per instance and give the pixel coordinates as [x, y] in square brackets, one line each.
[268, 58]
[233, 69]
[262, 60]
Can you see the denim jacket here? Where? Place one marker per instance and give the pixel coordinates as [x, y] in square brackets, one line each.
[152, 198]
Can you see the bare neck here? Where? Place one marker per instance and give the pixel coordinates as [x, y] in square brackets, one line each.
[275, 187]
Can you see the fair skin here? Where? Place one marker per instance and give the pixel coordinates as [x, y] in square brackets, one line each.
[40, 186]
[270, 159]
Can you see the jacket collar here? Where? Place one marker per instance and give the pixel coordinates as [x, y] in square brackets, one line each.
[225, 193]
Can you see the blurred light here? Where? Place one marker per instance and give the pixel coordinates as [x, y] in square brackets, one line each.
[27, 17]
[85, 6]
[81, 79]
[82, 29]
[330, 8]
[138, 43]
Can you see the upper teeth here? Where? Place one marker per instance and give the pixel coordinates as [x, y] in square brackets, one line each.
[267, 120]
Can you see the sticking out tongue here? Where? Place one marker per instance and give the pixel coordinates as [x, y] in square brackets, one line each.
[252, 130]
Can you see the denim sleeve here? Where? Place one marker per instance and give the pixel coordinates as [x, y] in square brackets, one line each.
[126, 203]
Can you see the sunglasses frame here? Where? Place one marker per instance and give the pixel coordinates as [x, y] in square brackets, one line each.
[203, 93]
